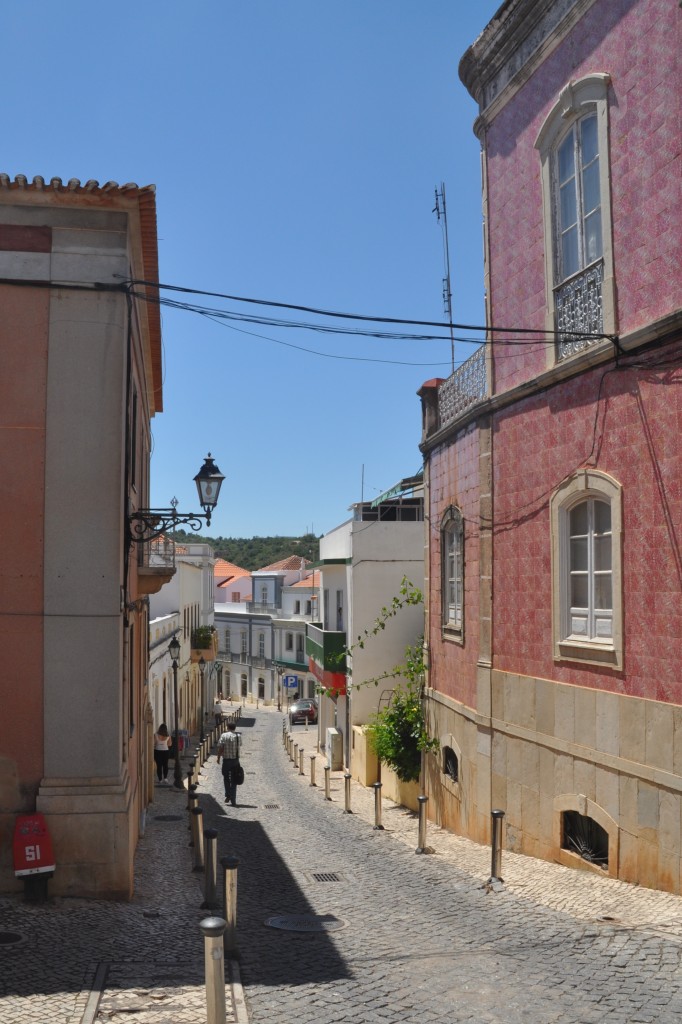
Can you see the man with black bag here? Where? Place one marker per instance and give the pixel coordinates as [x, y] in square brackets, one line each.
[229, 746]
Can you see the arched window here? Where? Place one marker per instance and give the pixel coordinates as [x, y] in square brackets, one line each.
[586, 571]
[452, 572]
[450, 764]
[573, 147]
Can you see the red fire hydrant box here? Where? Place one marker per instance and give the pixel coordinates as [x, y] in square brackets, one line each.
[32, 846]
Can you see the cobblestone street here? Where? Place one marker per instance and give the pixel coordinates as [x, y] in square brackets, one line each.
[404, 938]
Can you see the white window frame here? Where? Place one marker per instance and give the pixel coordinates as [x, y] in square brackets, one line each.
[586, 485]
[452, 573]
[578, 99]
[261, 645]
[228, 642]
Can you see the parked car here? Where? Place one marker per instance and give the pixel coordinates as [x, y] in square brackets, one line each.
[303, 711]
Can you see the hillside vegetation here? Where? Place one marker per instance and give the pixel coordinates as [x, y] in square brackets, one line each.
[256, 552]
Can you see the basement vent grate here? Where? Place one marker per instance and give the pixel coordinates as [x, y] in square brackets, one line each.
[326, 876]
[271, 807]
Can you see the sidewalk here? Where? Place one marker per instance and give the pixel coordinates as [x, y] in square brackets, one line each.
[97, 962]
[583, 894]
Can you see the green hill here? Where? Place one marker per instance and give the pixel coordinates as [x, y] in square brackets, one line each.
[256, 552]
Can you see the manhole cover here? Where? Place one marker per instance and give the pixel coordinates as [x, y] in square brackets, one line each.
[306, 923]
[167, 817]
[10, 939]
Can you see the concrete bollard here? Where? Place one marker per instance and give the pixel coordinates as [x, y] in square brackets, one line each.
[190, 774]
[378, 827]
[496, 858]
[346, 780]
[191, 788]
[327, 770]
[422, 847]
[198, 836]
[230, 866]
[194, 770]
[300, 760]
[295, 757]
[210, 879]
[214, 929]
[312, 770]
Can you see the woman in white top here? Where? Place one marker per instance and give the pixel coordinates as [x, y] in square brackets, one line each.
[162, 743]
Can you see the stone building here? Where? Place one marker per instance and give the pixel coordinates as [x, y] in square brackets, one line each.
[552, 457]
[80, 379]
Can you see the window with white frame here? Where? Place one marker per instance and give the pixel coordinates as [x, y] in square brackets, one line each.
[573, 147]
[452, 550]
[297, 607]
[289, 641]
[228, 642]
[261, 645]
[243, 639]
[586, 569]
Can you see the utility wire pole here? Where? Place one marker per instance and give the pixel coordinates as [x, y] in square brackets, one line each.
[440, 211]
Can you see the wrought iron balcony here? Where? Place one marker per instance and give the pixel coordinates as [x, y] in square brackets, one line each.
[463, 388]
[577, 308]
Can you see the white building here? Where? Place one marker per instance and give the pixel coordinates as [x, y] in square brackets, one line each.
[362, 565]
[261, 623]
[178, 608]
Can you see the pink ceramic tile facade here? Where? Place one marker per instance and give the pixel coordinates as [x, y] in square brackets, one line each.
[639, 44]
[633, 431]
[540, 442]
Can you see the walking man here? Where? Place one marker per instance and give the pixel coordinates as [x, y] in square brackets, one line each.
[228, 749]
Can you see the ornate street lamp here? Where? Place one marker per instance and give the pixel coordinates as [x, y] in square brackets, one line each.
[147, 523]
[174, 651]
[202, 666]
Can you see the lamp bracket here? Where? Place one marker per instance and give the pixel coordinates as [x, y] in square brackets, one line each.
[148, 523]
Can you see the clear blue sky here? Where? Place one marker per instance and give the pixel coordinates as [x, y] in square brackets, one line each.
[295, 146]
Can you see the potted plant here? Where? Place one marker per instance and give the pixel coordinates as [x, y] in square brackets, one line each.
[204, 643]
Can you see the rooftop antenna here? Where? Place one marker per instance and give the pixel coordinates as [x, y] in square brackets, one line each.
[440, 211]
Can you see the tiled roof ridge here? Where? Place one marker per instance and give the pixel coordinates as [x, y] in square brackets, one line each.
[222, 567]
[38, 184]
[290, 562]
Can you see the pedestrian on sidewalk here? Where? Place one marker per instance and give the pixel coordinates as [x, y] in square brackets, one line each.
[218, 710]
[229, 746]
[162, 743]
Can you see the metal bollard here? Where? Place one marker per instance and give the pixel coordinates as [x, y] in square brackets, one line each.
[213, 929]
[496, 860]
[378, 827]
[195, 770]
[191, 788]
[347, 777]
[312, 770]
[229, 866]
[327, 770]
[300, 761]
[422, 847]
[210, 880]
[198, 836]
[295, 757]
[190, 773]
[306, 723]
[192, 802]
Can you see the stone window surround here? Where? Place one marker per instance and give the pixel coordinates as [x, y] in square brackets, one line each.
[589, 809]
[455, 788]
[576, 99]
[451, 518]
[586, 483]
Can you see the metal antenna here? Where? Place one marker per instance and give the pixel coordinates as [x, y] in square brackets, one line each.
[440, 211]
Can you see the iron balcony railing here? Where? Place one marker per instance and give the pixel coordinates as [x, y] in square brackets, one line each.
[578, 307]
[463, 388]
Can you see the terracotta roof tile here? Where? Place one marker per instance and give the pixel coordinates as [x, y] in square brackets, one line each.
[311, 581]
[292, 562]
[223, 568]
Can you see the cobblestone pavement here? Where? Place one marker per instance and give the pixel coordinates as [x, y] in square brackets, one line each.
[98, 962]
[398, 937]
[421, 938]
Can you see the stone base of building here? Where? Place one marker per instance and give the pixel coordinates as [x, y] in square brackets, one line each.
[586, 778]
[94, 828]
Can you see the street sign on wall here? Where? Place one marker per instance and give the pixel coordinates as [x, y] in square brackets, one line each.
[290, 682]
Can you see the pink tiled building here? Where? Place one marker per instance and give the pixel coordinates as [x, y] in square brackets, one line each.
[553, 465]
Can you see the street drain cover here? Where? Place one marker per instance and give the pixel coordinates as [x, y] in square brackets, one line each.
[167, 817]
[10, 939]
[306, 923]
